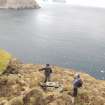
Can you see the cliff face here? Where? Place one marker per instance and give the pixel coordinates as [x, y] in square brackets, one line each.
[20, 85]
[18, 4]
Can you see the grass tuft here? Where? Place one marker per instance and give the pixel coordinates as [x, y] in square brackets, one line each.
[4, 60]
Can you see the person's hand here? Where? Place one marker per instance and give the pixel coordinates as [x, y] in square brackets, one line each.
[40, 69]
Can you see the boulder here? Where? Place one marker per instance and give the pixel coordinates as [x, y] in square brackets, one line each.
[34, 97]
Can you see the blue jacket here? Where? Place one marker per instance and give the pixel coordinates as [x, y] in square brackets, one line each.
[77, 82]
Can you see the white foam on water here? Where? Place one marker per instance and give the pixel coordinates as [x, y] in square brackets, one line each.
[102, 71]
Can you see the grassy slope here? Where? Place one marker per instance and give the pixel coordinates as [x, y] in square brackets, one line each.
[29, 77]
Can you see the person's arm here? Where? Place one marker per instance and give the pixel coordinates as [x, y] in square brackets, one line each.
[42, 69]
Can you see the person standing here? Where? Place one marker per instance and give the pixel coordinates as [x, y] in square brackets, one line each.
[77, 83]
[47, 72]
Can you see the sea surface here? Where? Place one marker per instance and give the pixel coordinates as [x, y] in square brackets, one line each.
[59, 34]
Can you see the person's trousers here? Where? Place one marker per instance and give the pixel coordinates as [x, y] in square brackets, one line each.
[47, 78]
[75, 92]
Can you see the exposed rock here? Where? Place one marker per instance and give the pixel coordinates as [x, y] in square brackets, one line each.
[18, 4]
[12, 67]
[23, 88]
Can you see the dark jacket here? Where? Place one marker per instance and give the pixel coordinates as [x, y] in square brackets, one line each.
[47, 70]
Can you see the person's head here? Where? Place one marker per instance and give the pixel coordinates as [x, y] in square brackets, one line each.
[47, 65]
[77, 76]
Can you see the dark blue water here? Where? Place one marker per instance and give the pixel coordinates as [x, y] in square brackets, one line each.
[59, 34]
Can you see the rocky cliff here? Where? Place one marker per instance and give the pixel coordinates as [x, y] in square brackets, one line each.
[16, 4]
[20, 85]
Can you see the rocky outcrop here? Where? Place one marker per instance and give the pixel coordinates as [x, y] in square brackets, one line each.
[16, 4]
[23, 87]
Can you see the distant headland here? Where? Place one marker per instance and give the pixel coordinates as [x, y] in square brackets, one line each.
[18, 4]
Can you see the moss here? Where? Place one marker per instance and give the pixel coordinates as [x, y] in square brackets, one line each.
[4, 59]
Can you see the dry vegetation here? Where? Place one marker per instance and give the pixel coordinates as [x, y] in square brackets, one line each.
[22, 87]
[4, 59]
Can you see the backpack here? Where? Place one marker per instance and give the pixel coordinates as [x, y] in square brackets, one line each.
[79, 83]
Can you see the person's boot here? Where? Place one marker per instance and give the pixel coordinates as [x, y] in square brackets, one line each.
[73, 100]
